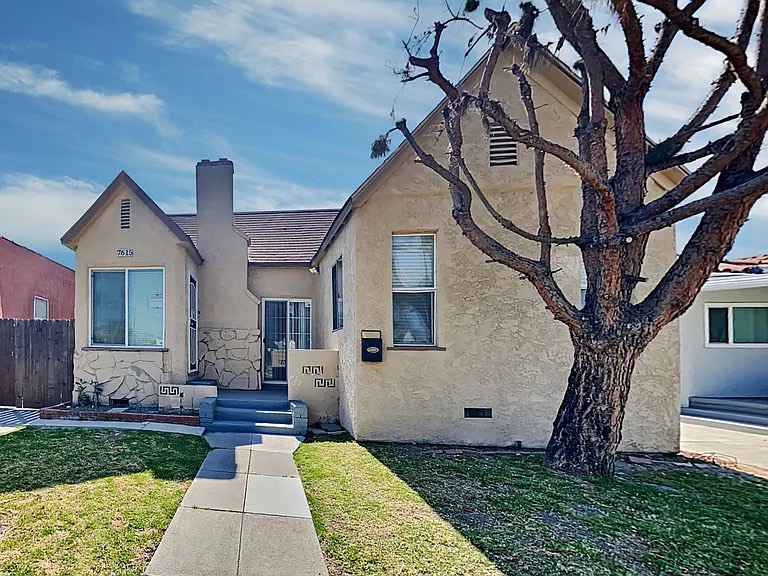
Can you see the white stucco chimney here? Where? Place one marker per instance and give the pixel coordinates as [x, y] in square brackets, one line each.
[214, 199]
[225, 301]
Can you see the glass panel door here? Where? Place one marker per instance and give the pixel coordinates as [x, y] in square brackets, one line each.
[275, 328]
[193, 351]
[287, 326]
[299, 322]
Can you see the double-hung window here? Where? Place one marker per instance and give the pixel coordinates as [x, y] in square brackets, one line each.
[413, 289]
[128, 307]
[337, 294]
[744, 325]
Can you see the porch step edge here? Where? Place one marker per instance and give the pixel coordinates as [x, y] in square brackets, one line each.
[726, 416]
[253, 415]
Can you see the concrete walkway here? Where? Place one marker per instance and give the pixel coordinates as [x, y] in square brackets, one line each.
[146, 426]
[245, 514]
[744, 444]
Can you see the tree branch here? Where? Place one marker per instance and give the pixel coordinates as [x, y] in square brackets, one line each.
[633, 37]
[750, 129]
[536, 272]
[749, 190]
[672, 145]
[735, 54]
[545, 229]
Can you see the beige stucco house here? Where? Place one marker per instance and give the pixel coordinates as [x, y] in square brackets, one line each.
[469, 354]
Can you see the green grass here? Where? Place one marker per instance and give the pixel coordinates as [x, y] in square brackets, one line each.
[388, 509]
[89, 502]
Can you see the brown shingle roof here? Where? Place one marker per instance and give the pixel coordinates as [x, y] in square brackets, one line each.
[743, 264]
[276, 238]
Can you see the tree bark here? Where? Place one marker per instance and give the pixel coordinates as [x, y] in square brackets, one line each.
[587, 429]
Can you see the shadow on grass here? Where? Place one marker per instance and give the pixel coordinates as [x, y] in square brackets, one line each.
[528, 520]
[38, 458]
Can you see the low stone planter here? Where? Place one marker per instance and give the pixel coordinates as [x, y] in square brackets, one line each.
[66, 412]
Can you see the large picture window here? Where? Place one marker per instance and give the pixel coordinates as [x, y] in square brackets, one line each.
[337, 294]
[736, 325]
[128, 307]
[413, 289]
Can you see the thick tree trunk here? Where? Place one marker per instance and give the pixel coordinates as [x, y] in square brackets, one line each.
[587, 430]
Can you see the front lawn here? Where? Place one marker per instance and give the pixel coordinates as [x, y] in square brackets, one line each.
[405, 510]
[89, 502]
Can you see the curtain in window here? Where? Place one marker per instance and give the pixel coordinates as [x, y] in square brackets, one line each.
[750, 325]
[412, 321]
[145, 307]
[413, 262]
[108, 308]
[413, 289]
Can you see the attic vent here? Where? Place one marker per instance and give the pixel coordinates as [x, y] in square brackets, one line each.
[478, 413]
[125, 213]
[503, 149]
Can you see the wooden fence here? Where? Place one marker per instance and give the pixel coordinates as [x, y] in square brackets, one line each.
[36, 362]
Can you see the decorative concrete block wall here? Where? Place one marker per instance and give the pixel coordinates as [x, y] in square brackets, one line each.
[124, 375]
[232, 357]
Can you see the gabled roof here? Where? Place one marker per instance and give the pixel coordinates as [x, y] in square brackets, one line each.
[275, 238]
[70, 236]
[7, 240]
[360, 195]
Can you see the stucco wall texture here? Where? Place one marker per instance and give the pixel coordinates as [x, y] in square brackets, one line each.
[502, 349]
[25, 274]
[715, 371]
[153, 245]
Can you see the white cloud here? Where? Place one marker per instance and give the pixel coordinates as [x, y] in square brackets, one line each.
[36, 211]
[46, 83]
[336, 48]
[255, 187]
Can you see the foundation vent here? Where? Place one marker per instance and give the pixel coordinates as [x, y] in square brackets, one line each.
[503, 149]
[478, 413]
[119, 402]
[125, 213]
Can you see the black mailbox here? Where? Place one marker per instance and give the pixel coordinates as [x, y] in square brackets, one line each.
[372, 345]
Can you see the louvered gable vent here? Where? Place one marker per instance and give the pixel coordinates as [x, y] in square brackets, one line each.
[125, 213]
[503, 150]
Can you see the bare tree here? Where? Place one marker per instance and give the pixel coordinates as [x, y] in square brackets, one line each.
[610, 331]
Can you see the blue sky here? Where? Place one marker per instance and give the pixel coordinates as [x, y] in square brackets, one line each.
[293, 91]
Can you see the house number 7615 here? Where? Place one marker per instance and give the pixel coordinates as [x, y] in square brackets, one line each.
[124, 252]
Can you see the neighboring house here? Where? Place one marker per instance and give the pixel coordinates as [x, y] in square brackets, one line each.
[724, 334]
[33, 286]
[470, 356]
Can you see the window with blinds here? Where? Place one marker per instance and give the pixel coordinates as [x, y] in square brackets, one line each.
[125, 213]
[337, 294]
[413, 289]
[503, 149]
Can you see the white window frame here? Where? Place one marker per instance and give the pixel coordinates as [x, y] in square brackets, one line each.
[47, 308]
[730, 306]
[433, 290]
[191, 279]
[90, 307]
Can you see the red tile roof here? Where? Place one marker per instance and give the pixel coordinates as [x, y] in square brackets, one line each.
[743, 264]
[276, 238]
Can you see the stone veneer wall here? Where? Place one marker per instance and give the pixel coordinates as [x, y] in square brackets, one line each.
[232, 357]
[130, 375]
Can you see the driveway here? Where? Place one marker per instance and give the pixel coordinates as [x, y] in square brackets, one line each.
[743, 444]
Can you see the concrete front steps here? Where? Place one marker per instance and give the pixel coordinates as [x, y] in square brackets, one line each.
[266, 411]
[744, 410]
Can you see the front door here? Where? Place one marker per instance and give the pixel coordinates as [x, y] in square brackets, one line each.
[287, 325]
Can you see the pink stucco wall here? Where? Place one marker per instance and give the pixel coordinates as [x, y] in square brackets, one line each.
[25, 274]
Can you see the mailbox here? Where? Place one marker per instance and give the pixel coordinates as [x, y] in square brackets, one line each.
[371, 345]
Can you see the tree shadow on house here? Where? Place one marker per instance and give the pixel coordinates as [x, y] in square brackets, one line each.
[529, 520]
[38, 458]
